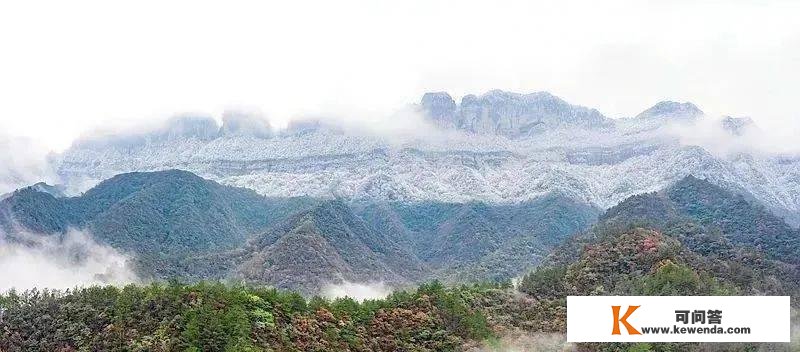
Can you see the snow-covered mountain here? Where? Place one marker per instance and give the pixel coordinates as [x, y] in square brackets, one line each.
[497, 147]
[671, 110]
[509, 114]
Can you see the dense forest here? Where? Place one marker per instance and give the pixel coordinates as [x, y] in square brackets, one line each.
[218, 317]
[692, 238]
[177, 225]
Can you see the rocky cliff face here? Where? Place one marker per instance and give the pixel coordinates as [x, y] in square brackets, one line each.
[510, 114]
[498, 147]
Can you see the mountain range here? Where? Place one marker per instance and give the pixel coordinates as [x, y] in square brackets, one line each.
[503, 180]
[692, 238]
[498, 148]
[178, 225]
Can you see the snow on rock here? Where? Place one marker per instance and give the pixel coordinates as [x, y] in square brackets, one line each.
[576, 152]
[671, 109]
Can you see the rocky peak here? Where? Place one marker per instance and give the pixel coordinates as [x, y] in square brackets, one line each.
[508, 113]
[671, 110]
[242, 124]
[438, 105]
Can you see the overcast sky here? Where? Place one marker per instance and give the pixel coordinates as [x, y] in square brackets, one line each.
[69, 67]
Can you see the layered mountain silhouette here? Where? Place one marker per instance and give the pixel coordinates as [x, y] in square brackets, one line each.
[692, 238]
[155, 215]
[476, 241]
[714, 209]
[177, 224]
[497, 147]
[323, 245]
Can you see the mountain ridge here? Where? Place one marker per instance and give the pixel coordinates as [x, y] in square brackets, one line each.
[509, 114]
[574, 152]
[178, 225]
[691, 238]
[153, 215]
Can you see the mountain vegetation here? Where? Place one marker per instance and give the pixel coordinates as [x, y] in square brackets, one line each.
[156, 216]
[178, 225]
[476, 241]
[397, 243]
[319, 246]
[496, 148]
[693, 238]
[214, 317]
[715, 210]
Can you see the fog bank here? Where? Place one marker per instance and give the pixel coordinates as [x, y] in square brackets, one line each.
[59, 262]
[23, 162]
[356, 291]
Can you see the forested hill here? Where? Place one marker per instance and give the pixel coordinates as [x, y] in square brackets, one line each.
[322, 245]
[715, 209]
[155, 216]
[217, 318]
[125, 210]
[175, 224]
[692, 238]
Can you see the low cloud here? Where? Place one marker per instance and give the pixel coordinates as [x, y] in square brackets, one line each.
[403, 125]
[710, 134]
[22, 162]
[520, 341]
[357, 291]
[60, 261]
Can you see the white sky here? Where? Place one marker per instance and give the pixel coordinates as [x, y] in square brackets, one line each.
[69, 67]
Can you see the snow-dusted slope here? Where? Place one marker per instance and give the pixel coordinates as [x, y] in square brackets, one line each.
[499, 147]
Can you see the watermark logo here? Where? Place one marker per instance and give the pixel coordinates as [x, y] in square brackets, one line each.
[623, 320]
[678, 319]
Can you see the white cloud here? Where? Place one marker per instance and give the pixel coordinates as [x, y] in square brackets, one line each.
[53, 261]
[357, 291]
[708, 132]
[521, 341]
[22, 162]
[70, 66]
